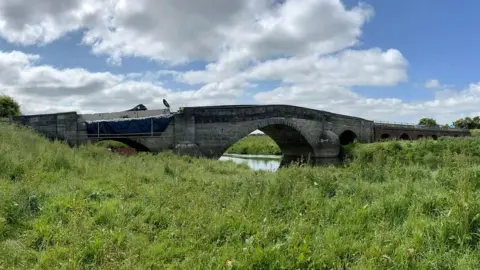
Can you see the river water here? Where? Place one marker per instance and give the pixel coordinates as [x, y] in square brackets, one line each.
[272, 163]
[256, 162]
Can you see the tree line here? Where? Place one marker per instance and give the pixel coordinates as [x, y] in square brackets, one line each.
[466, 123]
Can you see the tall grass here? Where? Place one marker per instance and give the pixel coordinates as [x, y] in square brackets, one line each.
[401, 205]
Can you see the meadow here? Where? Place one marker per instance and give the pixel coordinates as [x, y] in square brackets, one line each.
[255, 145]
[396, 205]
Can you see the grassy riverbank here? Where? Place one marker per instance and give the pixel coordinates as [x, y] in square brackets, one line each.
[398, 205]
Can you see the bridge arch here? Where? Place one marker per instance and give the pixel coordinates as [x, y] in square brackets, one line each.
[420, 136]
[385, 136]
[404, 136]
[129, 142]
[347, 137]
[289, 137]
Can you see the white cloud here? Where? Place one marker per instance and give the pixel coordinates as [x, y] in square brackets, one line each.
[306, 46]
[435, 84]
[182, 30]
[304, 27]
[29, 22]
[447, 105]
[175, 31]
[42, 88]
[370, 67]
[432, 84]
[326, 82]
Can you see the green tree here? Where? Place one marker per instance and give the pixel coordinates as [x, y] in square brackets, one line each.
[476, 122]
[468, 123]
[460, 123]
[8, 107]
[430, 122]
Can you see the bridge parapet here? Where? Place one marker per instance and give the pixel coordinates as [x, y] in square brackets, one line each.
[414, 126]
[411, 131]
[238, 113]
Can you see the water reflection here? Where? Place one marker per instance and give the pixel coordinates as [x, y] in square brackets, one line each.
[273, 163]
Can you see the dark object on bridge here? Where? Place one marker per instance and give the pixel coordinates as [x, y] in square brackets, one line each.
[166, 103]
[129, 127]
[139, 107]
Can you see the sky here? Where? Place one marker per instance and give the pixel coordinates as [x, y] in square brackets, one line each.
[382, 60]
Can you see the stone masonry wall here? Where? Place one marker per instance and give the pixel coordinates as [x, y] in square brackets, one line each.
[363, 129]
[158, 144]
[63, 126]
[233, 114]
[218, 127]
[215, 138]
[414, 133]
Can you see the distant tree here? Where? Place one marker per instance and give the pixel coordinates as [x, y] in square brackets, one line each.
[430, 122]
[468, 123]
[8, 107]
[459, 123]
[476, 122]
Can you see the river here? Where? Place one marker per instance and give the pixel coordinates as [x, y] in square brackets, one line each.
[256, 162]
[271, 162]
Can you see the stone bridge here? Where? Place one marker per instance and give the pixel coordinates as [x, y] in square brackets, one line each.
[210, 131]
[384, 131]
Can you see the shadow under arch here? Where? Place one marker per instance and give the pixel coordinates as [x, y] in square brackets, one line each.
[129, 142]
[292, 142]
[404, 136]
[347, 137]
[385, 136]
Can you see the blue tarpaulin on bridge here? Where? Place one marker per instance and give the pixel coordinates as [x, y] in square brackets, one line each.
[129, 126]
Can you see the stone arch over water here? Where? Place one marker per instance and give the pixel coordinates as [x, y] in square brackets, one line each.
[289, 137]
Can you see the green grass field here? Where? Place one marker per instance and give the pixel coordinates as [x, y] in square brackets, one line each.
[255, 145]
[397, 205]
